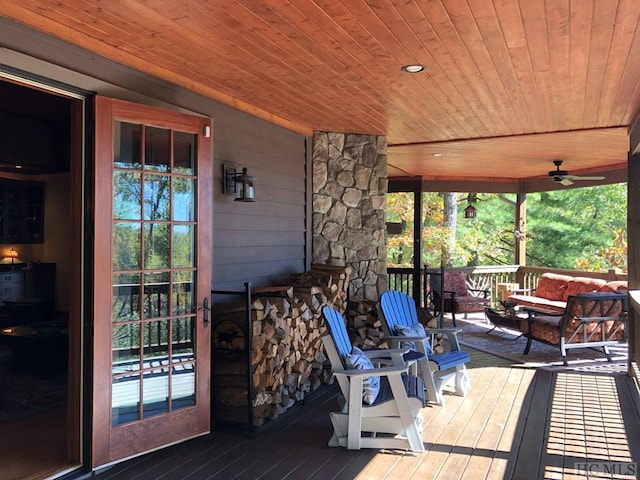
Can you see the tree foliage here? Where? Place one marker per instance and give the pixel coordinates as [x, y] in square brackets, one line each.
[582, 228]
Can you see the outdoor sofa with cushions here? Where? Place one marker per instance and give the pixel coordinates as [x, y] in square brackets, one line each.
[590, 320]
[553, 290]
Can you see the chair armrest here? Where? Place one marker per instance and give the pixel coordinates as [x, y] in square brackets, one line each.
[367, 372]
[532, 311]
[392, 356]
[384, 352]
[450, 333]
[404, 338]
[446, 331]
[397, 339]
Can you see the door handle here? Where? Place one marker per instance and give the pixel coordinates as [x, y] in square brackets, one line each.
[206, 311]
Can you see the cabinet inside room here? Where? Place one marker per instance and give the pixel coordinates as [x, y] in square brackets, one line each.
[21, 211]
[27, 293]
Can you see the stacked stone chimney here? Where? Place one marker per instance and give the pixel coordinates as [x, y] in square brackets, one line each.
[349, 200]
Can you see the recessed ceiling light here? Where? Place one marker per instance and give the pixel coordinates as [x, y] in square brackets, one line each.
[437, 154]
[18, 166]
[415, 68]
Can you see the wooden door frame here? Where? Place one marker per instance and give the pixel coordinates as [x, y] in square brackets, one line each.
[112, 445]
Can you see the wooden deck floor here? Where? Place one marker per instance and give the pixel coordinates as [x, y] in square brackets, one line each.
[516, 423]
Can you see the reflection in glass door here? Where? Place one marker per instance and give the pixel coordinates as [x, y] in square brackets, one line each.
[154, 307]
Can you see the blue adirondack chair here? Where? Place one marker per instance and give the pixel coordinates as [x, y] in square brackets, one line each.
[399, 314]
[392, 419]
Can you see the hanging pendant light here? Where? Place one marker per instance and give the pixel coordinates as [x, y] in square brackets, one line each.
[470, 211]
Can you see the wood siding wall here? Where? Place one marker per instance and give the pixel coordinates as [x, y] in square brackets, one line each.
[261, 242]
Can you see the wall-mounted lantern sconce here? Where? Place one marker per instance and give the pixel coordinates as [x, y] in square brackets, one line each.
[242, 185]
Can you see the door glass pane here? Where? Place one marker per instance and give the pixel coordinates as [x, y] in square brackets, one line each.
[127, 145]
[126, 195]
[184, 151]
[183, 293]
[125, 399]
[183, 386]
[157, 150]
[155, 392]
[156, 295]
[156, 197]
[183, 246]
[156, 246]
[126, 246]
[126, 297]
[182, 344]
[156, 343]
[183, 199]
[126, 347]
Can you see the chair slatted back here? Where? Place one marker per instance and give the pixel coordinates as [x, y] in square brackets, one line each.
[338, 331]
[398, 308]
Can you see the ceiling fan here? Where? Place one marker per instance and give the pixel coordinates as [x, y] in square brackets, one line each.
[563, 177]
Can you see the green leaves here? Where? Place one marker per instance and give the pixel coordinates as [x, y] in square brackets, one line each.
[581, 228]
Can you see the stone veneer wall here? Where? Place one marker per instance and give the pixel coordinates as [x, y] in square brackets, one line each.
[349, 202]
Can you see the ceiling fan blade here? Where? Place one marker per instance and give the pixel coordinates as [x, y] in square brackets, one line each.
[592, 178]
[565, 181]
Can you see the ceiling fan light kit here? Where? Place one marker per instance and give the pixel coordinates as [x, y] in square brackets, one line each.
[564, 178]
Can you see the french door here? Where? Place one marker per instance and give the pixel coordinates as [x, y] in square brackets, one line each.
[152, 278]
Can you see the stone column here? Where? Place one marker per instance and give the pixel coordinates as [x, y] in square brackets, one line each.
[349, 202]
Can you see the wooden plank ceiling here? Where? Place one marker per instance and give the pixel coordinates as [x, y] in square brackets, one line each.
[509, 86]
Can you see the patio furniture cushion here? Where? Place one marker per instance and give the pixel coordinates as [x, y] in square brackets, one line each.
[370, 385]
[577, 285]
[615, 286]
[552, 286]
[456, 282]
[416, 330]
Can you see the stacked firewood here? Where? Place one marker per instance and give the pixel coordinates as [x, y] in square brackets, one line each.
[287, 355]
[332, 280]
[367, 327]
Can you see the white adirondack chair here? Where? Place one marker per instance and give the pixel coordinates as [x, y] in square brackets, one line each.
[437, 369]
[393, 421]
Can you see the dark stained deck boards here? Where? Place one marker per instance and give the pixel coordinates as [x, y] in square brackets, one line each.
[502, 429]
